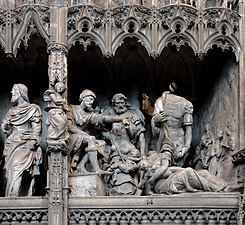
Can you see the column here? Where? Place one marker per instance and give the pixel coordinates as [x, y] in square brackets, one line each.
[57, 136]
[241, 108]
[56, 98]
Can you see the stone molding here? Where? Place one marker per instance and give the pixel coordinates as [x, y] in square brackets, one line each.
[199, 208]
[22, 209]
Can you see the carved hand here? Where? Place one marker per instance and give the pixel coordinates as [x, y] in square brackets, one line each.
[159, 118]
[183, 151]
[6, 126]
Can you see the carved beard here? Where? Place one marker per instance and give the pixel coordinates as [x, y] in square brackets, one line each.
[120, 110]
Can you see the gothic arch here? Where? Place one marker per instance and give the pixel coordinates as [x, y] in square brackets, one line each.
[24, 34]
[119, 40]
[179, 40]
[86, 39]
[224, 42]
[183, 74]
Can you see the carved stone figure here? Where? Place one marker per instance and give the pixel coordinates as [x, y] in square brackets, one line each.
[201, 154]
[124, 158]
[134, 120]
[214, 149]
[57, 120]
[84, 126]
[22, 124]
[172, 124]
[176, 180]
[128, 145]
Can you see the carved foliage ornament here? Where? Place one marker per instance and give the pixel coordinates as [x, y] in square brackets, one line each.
[41, 12]
[143, 14]
[213, 17]
[94, 14]
[151, 216]
[23, 215]
[57, 63]
[119, 14]
[168, 14]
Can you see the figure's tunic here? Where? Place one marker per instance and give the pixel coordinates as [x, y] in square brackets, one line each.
[178, 113]
[83, 124]
[189, 180]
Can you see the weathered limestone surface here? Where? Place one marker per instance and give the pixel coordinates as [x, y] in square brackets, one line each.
[135, 47]
[85, 185]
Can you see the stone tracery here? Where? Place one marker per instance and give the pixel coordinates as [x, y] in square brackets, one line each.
[86, 26]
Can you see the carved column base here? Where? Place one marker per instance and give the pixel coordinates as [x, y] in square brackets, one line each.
[83, 185]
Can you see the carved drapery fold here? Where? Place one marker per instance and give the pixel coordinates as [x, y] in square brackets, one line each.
[143, 22]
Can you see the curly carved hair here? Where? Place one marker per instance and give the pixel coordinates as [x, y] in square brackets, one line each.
[22, 90]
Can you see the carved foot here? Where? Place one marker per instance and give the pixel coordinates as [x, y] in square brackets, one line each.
[234, 188]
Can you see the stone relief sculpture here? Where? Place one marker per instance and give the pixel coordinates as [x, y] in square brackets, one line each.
[133, 120]
[22, 153]
[172, 125]
[214, 148]
[84, 123]
[130, 170]
[127, 146]
[123, 162]
[163, 171]
[175, 180]
[56, 120]
[201, 158]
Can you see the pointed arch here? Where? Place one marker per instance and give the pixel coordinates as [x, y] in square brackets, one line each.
[85, 39]
[119, 40]
[30, 14]
[170, 37]
[224, 42]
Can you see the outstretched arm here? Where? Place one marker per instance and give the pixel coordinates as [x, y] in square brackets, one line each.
[111, 119]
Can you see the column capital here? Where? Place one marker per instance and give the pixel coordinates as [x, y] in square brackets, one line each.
[55, 46]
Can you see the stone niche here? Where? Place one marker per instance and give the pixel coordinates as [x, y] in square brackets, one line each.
[211, 85]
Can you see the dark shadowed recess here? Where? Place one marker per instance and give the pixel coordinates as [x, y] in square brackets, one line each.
[30, 67]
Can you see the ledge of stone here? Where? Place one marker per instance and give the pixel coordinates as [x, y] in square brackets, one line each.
[186, 200]
[18, 203]
[199, 200]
